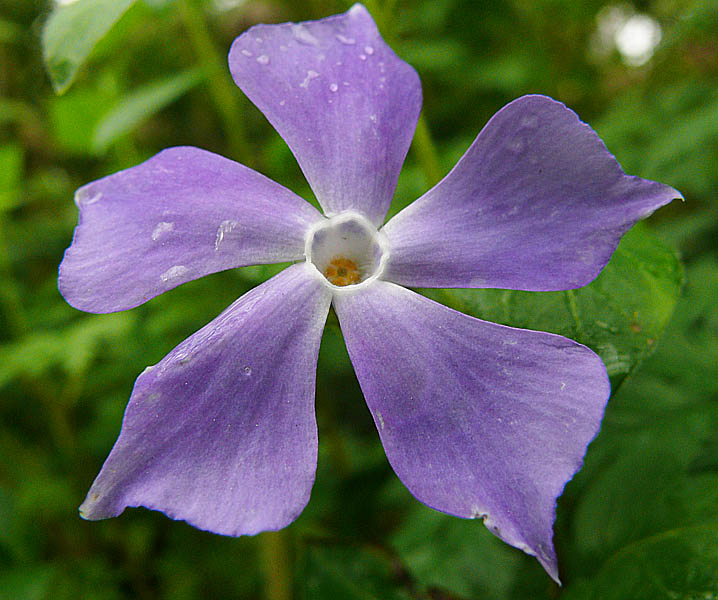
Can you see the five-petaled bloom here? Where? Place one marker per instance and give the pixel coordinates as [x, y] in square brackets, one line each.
[477, 419]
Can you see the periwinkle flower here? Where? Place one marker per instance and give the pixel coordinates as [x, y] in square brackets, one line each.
[477, 419]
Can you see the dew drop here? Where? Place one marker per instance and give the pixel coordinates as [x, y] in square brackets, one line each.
[346, 40]
[263, 59]
[333, 87]
[84, 200]
[173, 273]
[247, 371]
[259, 40]
[310, 75]
[246, 52]
[283, 48]
[362, 56]
[161, 229]
[224, 228]
[302, 34]
[282, 102]
[369, 50]
[530, 121]
[516, 145]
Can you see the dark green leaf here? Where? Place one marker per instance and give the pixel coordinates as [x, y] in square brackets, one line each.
[620, 314]
[456, 555]
[349, 573]
[680, 564]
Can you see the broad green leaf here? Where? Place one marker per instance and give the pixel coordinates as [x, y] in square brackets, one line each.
[646, 489]
[653, 466]
[620, 315]
[140, 105]
[11, 167]
[679, 564]
[349, 573]
[72, 31]
[456, 555]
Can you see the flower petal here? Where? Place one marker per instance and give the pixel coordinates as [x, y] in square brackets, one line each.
[180, 215]
[536, 203]
[477, 419]
[221, 433]
[343, 101]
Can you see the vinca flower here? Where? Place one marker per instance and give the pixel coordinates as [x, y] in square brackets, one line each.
[478, 420]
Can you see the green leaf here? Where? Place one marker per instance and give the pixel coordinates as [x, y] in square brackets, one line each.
[74, 116]
[680, 564]
[645, 489]
[73, 348]
[456, 555]
[72, 31]
[349, 573]
[11, 168]
[620, 314]
[140, 105]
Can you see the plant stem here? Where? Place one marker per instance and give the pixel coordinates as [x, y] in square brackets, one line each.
[276, 565]
[221, 87]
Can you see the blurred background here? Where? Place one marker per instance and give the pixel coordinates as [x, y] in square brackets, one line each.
[639, 521]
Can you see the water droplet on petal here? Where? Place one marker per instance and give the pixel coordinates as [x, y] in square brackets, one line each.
[530, 121]
[85, 200]
[224, 228]
[259, 40]
[246, 52]
[302, 34]
[173, 273]
[247, 371]
[161, 229]
[310, 75]
[369, 50]
[346, 40]
[362, 56]
[283, 48]
[263, 59]
[282, 102]
[333, 87]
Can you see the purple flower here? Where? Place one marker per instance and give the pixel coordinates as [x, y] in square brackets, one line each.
[477, 419]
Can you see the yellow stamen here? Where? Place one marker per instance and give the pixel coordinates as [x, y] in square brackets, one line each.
[342, 271]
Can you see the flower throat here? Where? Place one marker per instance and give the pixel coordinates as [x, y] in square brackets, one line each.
[342, 271]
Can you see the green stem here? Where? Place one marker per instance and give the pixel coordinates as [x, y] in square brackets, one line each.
[276, 565]
[221, 87]
[426, 153]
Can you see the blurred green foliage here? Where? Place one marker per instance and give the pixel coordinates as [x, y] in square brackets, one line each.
[639, 521]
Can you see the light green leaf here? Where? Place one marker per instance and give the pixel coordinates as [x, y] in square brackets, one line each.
[620, 314]
[72, 31]
[72, 348]
[140, 105]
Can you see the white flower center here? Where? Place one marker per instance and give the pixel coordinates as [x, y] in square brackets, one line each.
[346, 250]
